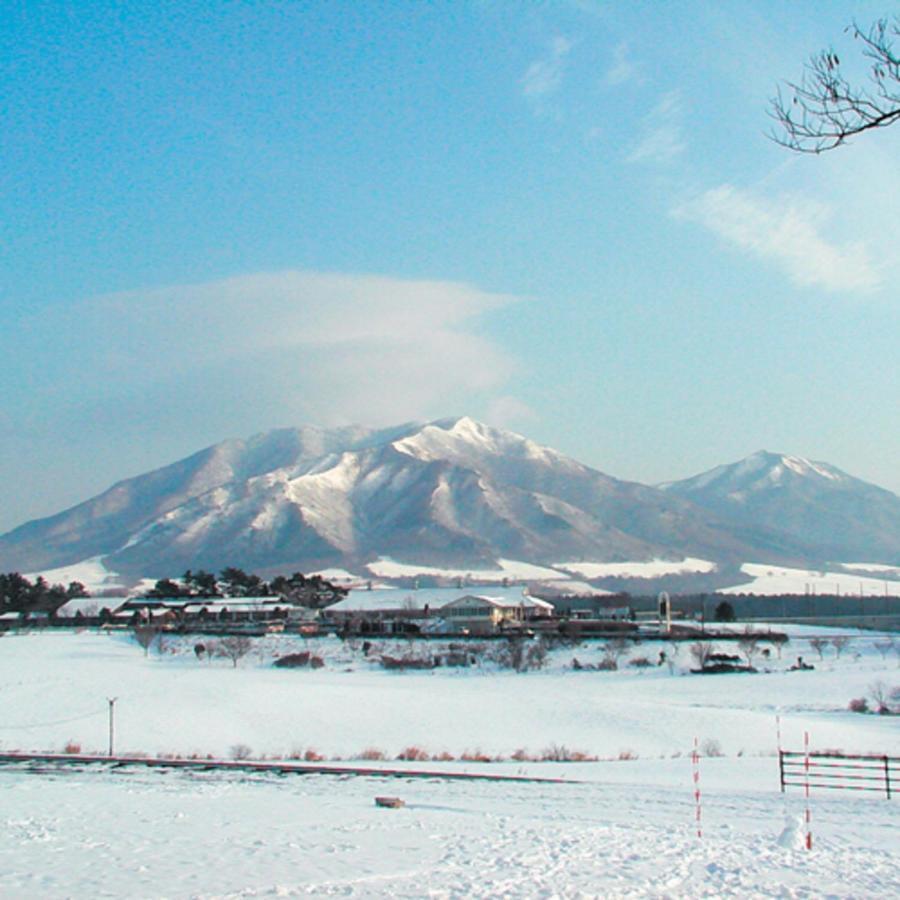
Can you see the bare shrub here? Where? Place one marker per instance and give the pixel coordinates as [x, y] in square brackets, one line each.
[879, 693]
[413, 753]
[234, 647]
[626, 755]
[536, 654]
[605, 665]
[840, 643]
[443, 756]
[145, 635]
[72, 747]
[640, 662]
[701, 652]
[561, 753]
[711, 747]
[612, 652]
[884, 647]
[778, 640]
[372, 753]
[199, 650]
[521, 755]
[858, 705]
[475, 756]
[582, 756]
[312, 755]
[819, 644]
[749, 647]
[240, 751]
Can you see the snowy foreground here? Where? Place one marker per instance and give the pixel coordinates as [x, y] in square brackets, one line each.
[614, 828]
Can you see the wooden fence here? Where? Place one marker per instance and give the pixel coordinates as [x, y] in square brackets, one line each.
[839, 771]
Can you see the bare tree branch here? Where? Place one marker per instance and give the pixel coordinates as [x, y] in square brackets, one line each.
[823, 109]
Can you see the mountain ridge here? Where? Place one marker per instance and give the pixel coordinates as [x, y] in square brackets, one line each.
[450, 491]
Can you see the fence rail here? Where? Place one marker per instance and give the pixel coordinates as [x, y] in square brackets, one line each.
[839, 771]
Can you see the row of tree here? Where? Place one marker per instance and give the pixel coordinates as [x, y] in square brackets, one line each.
[18, 594]
[297, 589]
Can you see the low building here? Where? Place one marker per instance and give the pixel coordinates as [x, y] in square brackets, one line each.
[481, 613]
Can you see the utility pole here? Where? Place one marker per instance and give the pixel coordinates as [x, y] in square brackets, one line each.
[112, 706]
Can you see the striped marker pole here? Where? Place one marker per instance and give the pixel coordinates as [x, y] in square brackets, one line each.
[695, 759]
[806, 788]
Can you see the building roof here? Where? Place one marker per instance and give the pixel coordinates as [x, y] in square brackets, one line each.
[393, 599]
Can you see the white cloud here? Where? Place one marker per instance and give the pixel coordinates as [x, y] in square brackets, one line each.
[544, 76]
[661, 135]
[509, 412]
[786, 233]
[284, 347]
[622, 69]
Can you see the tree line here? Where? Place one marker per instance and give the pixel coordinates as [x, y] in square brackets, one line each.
[297, 589]
[18, 594]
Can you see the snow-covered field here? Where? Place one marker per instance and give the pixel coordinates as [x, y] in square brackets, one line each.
[617, 828]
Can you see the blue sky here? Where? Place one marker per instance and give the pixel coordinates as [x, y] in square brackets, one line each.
[563, 218]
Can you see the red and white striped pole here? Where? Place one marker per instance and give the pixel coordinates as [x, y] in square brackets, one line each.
[806, 788]
[695, 759]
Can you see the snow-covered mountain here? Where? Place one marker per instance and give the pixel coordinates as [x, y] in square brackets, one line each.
[834, 515]
[451, 493]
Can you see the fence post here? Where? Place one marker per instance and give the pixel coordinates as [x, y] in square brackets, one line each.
[806, 788]
[781, 768]
[887, 776]
[695, 759]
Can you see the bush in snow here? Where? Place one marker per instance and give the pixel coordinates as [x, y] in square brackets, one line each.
[711, 747]
[819, 644]
[475, 756]
[240, 751]
[561, 753]
[858, 705]
[372, 753]
[72, 747]
[305, 659]
[881, 695]
[413, 754]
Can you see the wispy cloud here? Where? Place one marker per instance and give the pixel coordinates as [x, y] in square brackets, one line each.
[623, 69]
[787, 233]
[545, 75]
[283, 347]
[661, 138]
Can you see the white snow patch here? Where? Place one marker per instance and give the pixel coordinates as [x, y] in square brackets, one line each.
[766, 579]
[92, 573]
[512, 569]
[805, 466]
